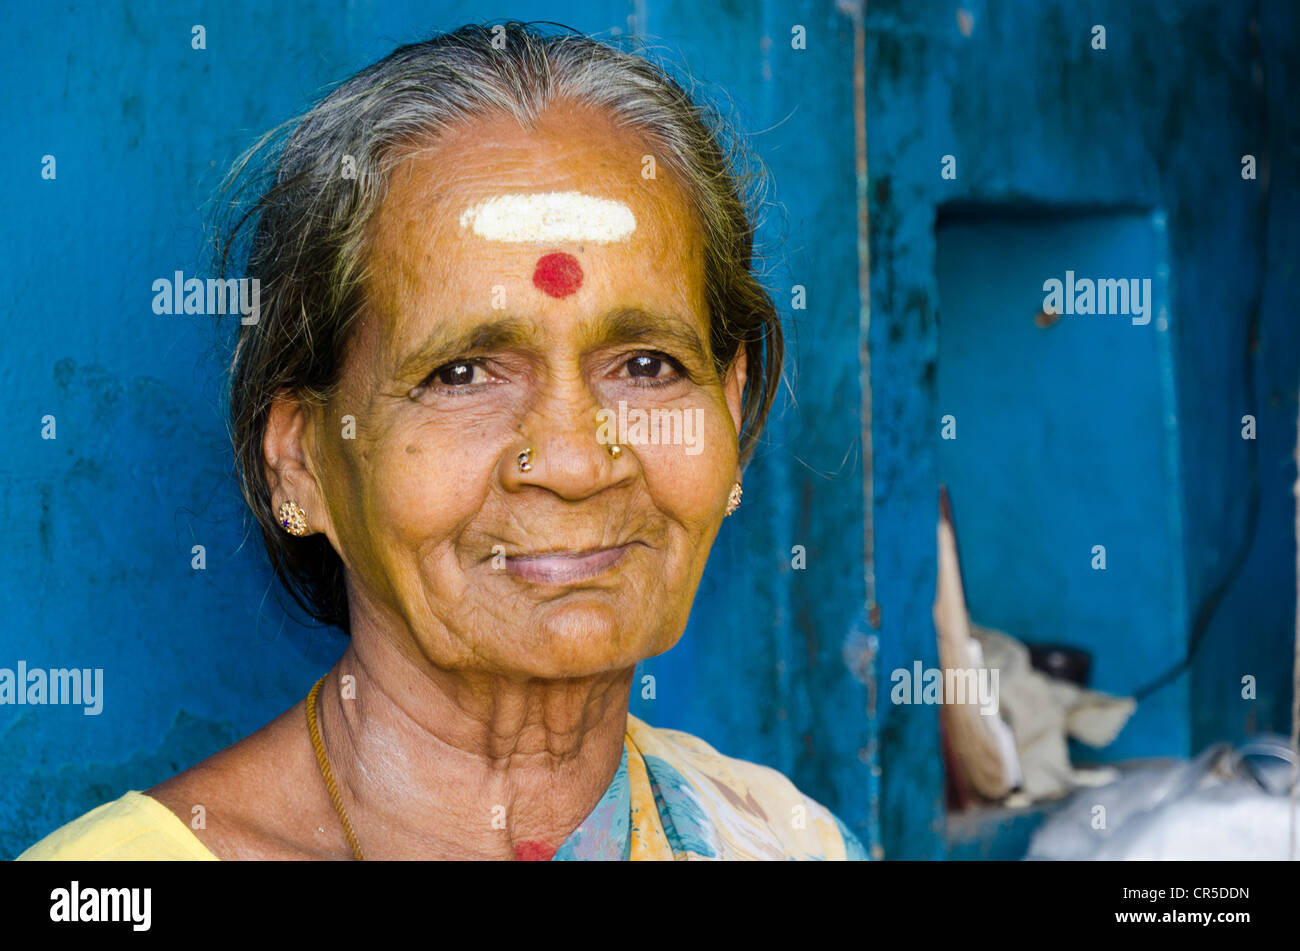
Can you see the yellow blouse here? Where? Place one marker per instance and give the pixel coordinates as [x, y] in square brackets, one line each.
[133, 827]
[674, 797]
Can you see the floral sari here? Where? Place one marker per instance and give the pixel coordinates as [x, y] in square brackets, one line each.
[674, 797]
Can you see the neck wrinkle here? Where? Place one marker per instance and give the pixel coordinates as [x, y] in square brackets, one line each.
[428, 750]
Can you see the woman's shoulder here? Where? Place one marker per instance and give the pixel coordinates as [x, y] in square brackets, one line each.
[245, 801]
[750, 806]
[134, 826]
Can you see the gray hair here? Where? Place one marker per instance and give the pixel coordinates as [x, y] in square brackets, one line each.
[308, 247]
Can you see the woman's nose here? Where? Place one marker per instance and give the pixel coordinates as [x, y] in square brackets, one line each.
[558, 450]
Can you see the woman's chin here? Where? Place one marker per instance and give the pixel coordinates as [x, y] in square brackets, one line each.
[580, 637]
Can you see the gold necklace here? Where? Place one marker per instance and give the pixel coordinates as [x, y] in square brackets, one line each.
[328, 776]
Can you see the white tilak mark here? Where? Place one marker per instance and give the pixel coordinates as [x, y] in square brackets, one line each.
[550, 217]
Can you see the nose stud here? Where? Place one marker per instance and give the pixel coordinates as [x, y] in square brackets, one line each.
[525, 458]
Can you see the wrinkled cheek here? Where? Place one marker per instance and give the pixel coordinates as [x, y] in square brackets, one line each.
[422, 493]
[691, 473]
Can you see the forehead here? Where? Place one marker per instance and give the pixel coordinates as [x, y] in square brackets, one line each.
[438, 240]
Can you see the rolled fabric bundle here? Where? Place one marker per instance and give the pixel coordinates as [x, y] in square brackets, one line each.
[981, 746]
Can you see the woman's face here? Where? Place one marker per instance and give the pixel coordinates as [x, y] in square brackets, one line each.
[485, 338]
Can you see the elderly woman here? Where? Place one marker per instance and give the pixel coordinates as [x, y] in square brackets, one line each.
[510, 360]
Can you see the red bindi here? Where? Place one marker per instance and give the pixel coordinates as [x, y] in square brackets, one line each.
[531, 850]
[557, 274]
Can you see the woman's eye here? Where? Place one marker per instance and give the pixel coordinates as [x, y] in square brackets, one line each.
[458, 378]
[655, 367]
[456, 374]
[645, 366]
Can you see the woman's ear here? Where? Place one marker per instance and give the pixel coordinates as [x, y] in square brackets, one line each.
[733, 388]
[289, 460]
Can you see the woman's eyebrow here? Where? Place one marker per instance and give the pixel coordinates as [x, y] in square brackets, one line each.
[448, 342]
[626, 325]
[633, 325]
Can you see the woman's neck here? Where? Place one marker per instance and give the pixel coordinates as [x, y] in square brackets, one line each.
[436, 763]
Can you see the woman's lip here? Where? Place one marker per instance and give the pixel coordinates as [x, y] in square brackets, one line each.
[556, 567]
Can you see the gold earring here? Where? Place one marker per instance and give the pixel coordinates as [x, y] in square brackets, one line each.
[733, 500]
[615, 450]
[293, 518]
[524, 460]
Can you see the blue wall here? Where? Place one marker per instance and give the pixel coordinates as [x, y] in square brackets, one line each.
[779, 665]
[1071, 458]
[1042, 124]
[102, 519]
